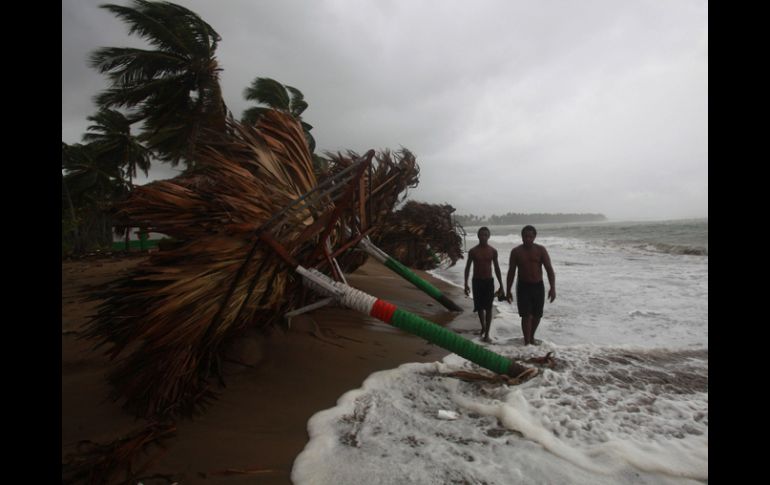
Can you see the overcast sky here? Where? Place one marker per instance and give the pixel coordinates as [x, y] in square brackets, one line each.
[509, 105]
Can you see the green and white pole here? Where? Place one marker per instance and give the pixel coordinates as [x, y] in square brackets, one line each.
[409, 322]
[407, 274]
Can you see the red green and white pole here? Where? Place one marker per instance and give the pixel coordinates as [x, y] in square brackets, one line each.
[407, 274]
[409, 322]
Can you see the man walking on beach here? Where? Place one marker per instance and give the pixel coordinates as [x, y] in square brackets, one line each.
[481, 258]
[529, 258]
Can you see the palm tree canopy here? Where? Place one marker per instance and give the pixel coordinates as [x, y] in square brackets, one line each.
[269, 92]
[174, 89]
[89, 178]
[110, 135]
[275, 95]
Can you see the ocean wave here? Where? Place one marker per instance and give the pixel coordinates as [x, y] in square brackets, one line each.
[643, 313]
[673, 249]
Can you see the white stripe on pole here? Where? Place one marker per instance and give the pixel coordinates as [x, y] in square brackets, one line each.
[348, 296]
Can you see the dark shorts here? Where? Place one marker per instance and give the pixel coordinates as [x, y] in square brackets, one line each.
[483, 293]
[530, 298]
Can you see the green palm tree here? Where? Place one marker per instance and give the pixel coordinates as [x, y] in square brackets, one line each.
[113, 143]
[277, 96]
[90, 185]
[69, 216]
[91, 180]
[174, 88]
[112, 140]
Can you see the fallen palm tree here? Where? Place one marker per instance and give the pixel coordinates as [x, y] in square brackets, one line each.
[171, 319]
[174, 315]
[420, 235]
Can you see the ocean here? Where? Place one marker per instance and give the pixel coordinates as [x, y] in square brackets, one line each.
[627, 402]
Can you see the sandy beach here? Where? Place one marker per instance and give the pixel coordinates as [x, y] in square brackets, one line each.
[274, 384]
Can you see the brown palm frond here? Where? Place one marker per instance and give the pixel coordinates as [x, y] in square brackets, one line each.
[390, 176]
[171, 318]
[546, 360]
[499, 379]
[174, 315]
[420, 235]
[388, 181]
[96, 463]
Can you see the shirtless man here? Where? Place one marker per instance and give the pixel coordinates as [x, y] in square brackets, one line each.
[481, 258]
[529, 258]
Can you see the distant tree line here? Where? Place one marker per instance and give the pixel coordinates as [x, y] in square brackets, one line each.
[518, 218]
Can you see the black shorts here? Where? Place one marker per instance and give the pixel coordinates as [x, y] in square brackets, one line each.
[530, 298]
[483, 293]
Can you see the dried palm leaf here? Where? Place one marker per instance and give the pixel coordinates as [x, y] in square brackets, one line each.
[387, 182]
[174, 315]
[420, 235]
[546, 360]
[95, 463]
[169, 320]
[525, 375]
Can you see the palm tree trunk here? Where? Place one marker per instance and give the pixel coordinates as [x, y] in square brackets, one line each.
[210, 111]
[76, 245]
[106, 229]
[130, 188]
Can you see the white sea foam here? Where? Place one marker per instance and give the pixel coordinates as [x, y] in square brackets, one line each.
[599, 418]
[626, 403]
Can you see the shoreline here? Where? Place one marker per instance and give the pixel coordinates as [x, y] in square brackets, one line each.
[274, 383]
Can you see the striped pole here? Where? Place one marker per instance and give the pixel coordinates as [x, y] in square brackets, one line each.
[409, 322]
[407, 274]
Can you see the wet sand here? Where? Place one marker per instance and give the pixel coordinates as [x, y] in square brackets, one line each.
[274, 384]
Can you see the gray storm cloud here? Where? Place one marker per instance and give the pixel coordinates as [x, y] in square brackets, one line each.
[510, 106]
